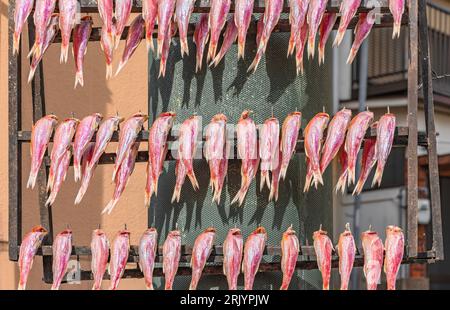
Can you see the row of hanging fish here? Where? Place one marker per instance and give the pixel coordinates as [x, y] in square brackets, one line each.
[307, 19]
[236, 256]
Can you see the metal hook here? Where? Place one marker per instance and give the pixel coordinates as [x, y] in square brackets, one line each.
[388, 110]
[347, 227]
[320, 227]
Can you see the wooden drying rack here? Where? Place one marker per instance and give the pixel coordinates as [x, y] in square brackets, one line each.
[405, 137]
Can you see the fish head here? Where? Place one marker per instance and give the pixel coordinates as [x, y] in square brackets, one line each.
[39, 229]
[235, 232]
[219, 117]
[67, 233]
[319, 234]
[98, 232]
[124, 233]
[260, 231]
[98, 117]
[151, 231]
[86, 19]
[246, 114]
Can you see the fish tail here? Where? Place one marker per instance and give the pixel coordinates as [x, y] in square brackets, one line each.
[240, 196]
[396, 30]
[50, 180]
[390, 283]
[211, 51]
[55, 287]
[117, 40]
[264, 176]
[351, 175]
[51, 198]
[341, 182]
[149, 285]
[352, 55]
[194, 282]
[184, 47]
[22, 285]
[110, 206]
[32, 50]
[79, 79]
[241, 47]
[283, 171]
[317, 176]
[162, 68]
[273, 195]
[311, 46]
[16, 43]
[326, 285]
[109, 71]
[193, 180]
[284, 284]
[308, 181]
[32, 179]
[64, 53]
[96, 287]
[321, 54]
[359, 186]
[378, 175]
[76, 170]
[344, 286]
[339, 37]
[31, 74]
[255, 63]
[159, 47]
[149, 42]
[300, 68]
[84, 184]
[120, 67]
[176, 194]
[372, 286]
[291, 46]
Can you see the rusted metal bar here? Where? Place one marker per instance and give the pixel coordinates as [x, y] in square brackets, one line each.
[433, 167]
[412, 167]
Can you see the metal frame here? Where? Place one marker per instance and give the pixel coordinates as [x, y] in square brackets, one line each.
[405, 136]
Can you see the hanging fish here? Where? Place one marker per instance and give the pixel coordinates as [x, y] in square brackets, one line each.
[148, 245]
[216, 153]
[43, 12]
[67, 20]
[373, 258]
[100, 255]
[165, 12]
[394, 246]
[166, 49]
[347, 11]
[269, 146]
[61, 143]
[253, 254]
[243, 10]
[81, 35]
[316, 11]
[271, 16]
[200, 253]
[290, 248]
[385, 138]
[180, 173]
[122, 177]
[107, 46]
[297, 18]
[119, 257]
[104, 135]
[362, 30]
[183, 13]
[347, 252]
[313, 144]
[259, 29]
[62, 249]
[83, 136]
[247, 147]
[368, 161]
[201, 35]
[397, 7]
[326, 26]
[122, 12]
[300, 45]
[276, 173]
[232, 256]
[157, 152]
[217, 18]
[28, 248]
[289, 138]
[171, 257]
[150, 14]
[229, 37]
[40, 137]
[343, 161]
[22, 10]
[323, 248]
[134, 37]
[60, 177]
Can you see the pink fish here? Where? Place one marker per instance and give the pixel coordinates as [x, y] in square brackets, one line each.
[171, 257]
[81, 35]
[67, 20]
[300, 45]
[297, 18]
[180, 173]
[259, 29]
[347, 11]
[40, 137]
[397, 7]
[61, 143]
[385, 137]
[43, 11]
[229, 37]
[216, 153]
[87, 157]
[183, 13]
[150, 14]
[127, 136]
[362, 30]
[200, 253]
[148, 245]
[104, 135]
[394, 246]
[165, 12]
[347, 252]
[355, 136]
[166, 49]
[273, 195]
[253, 254]
[106, 11]
[316, 11]
[343, 161]
[326, 26]
[269, 146]
[134, 37]
[290, 248]
[157, 152]
[289, 138]
[100, 255]
[122, 12]
[335, 137]
[232, 256]
[22, 10]
[323, 248]
[271, 16]
[50, 36]
[201, 35]
[122, 176]
[247, 147]
[28, 248]
[107, 46]
[368, 161]
[217, 18]
[119, 257]
[83, 136]
[313, 144]
[62, 249]
[60, 177]
[243, 10]
[373, 258]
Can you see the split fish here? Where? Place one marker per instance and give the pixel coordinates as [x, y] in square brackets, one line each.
[373, 258]
[243, 10]
[385, 138]
[397, 7]
[43, 11]
[81, 35]
[394, 246]
[22, 10]
[200, 253]
[100, 255]
[119, 257]
[232, 256]
[289, 137]
[67, 20]
[229, 37]
[134, 37]
[217, 18]
[297, 18]
[316, 11]
[347, 252]
[150, 14]
[368, 161]
[148, 245]
[323, 248]
[290, 248]
[62, 249]
[59, 178]
[122, 12]
[362, 30]
[269, 149]
[171, 257]
[183, 13]
[253, 254]
[326, 26]
[347, 11]
[165, 12]
[201, 35]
